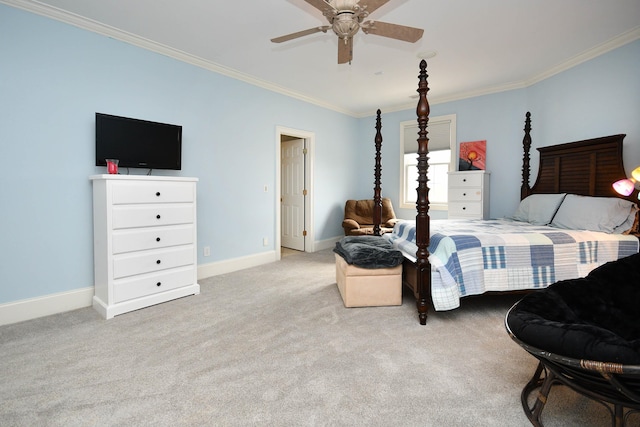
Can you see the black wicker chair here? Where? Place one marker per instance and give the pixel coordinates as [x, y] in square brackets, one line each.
[585, 334]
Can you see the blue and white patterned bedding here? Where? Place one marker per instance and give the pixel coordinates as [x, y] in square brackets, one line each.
[470, 257]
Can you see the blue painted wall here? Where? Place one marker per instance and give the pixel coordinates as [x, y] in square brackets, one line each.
[54, 77]
[596, 98]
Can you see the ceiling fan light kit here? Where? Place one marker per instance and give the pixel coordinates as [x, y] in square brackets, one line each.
[346, 18]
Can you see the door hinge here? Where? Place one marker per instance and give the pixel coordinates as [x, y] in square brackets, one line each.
[304, 233]
[304, 151]
[304, 192]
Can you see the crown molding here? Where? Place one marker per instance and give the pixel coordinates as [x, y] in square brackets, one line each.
[616, 42]
[112, 32]
[619, 41]
[124, 36]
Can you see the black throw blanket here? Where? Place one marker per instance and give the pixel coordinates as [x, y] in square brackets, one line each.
[368, 252]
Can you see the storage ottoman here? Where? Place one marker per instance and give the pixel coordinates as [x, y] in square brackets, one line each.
[368, 287]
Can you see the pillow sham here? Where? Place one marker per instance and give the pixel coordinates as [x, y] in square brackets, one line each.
[592, 213]
[628, 226]
[538, 209]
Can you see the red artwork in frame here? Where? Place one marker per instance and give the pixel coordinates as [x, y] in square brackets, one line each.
[472, 155]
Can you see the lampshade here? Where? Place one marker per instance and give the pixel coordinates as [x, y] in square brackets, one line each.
[627, 186]
[624, 187]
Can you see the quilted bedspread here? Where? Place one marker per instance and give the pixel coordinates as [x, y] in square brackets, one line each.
[470, 257]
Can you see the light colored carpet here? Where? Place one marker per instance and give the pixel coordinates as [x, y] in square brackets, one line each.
[274, 346]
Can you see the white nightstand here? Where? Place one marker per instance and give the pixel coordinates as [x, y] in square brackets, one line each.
[469, 195]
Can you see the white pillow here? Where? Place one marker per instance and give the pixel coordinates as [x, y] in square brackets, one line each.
[592, 213]
[626, 226]
[538, 209]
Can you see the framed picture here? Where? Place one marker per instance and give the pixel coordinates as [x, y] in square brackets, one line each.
[472, 155]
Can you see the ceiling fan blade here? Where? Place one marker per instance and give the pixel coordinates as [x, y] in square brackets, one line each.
[300, 34]
[394, 31]
[372, 5]
[321, 5]
[345, 50]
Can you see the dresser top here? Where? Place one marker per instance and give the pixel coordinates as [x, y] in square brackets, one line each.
[141, 178]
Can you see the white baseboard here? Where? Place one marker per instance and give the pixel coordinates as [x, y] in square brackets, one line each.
[32, 308]
[327, 244]
[46, 305]
[231, 265]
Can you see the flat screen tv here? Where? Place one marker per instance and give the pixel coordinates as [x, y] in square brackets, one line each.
[138, 143]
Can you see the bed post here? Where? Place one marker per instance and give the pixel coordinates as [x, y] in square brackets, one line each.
[377, 199]
[525, 190]
[422, 218]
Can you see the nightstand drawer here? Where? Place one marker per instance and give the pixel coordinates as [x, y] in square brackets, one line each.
[150, 261]
[465, 209]
[141, 286]
[152, 216]
[131, 240]
[465, 179]
[152, 192]
[464, 194]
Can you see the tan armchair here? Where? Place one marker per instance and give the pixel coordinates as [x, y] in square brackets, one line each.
[358, 217]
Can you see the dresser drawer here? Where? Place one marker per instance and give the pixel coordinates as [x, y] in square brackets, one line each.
[464, 194]
[465, 180]
[148, 284]
[150, 216]
[457, 209]
[151, 238]
[152, 192]
[149, 261]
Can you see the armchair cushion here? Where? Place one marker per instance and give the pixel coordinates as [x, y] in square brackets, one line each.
[358, 217]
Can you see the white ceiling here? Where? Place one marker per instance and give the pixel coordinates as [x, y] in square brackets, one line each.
[482, 46]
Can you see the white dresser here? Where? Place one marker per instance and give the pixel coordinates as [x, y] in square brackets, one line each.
[144, 241]
[469, 195]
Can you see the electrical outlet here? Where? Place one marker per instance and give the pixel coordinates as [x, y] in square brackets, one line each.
[265, 242]
[207, 251]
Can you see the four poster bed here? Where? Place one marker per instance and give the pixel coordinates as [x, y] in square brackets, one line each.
[544, 242]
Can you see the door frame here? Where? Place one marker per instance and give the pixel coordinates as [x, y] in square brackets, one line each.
[309, 143]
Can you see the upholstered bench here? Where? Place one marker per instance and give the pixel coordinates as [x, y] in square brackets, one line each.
[368, 272]
[586, 335]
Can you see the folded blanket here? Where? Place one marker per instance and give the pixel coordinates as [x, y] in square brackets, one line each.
[368, 252]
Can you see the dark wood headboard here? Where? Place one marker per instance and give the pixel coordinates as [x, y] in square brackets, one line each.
[587, 167]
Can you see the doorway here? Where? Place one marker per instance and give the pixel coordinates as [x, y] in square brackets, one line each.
[294, 190]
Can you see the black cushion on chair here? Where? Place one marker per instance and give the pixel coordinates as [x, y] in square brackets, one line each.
[592, 318]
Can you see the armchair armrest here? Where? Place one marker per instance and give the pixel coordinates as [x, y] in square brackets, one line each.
[391, 223]
[349, 224]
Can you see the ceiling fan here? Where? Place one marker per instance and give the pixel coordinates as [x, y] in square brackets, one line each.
[346, 18]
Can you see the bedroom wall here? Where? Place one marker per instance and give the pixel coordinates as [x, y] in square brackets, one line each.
[596, 98]
[54, 77]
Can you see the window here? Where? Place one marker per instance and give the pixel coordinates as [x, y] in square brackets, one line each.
[442, 156]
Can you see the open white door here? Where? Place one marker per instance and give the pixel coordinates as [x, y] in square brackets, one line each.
[292, 194]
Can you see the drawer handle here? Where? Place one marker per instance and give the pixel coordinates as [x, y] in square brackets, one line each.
[158, 194]
[463, 208]
[157, 239]
[158, 284]
[158, 216]
[464, 179]
[158, 262]
[464, 194]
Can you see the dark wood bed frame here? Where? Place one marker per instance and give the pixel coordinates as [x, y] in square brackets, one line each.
[587, 167]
